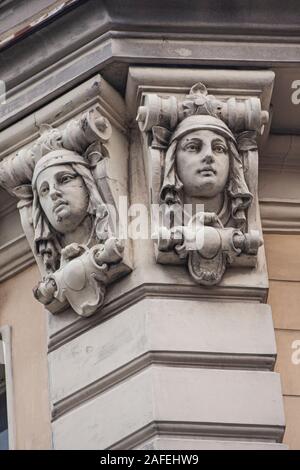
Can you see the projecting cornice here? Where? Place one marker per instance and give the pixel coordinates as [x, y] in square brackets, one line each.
[19, 19]
[280, 216]
[90, 36]
[111, 53]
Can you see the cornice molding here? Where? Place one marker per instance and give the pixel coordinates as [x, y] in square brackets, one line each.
[143, 291]
[255, 433]
[209, 17]
[15, 256]
[92, 92]
[169, 358]
[32, 16]
[49, 80]
[280, 216]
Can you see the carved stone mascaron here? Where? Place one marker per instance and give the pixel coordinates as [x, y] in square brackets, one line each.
[202, 152]
[67, 214]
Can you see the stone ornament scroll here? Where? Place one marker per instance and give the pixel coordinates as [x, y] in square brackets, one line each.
[203, 178]
[68, 213]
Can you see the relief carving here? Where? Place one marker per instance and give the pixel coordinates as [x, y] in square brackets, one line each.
[200, 152]
[68, 212]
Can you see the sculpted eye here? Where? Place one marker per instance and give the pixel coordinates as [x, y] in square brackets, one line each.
[44, 190]
[218, 148]
[193, 147]
[66, 178]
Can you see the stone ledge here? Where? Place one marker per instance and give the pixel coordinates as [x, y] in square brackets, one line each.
[171, 358]
[159, 331]
[189, 443]
[69, 327]
[15, 256]
[204, 436]
[191, 401]
[67, 71]
[280, 216]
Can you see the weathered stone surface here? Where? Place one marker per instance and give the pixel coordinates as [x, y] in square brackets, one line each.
[202, 160]
[203, 334]
[68, 211]
[165, 443]
[198, 401]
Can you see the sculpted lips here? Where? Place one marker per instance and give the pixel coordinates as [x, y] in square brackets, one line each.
[59, 205]
[208, 170]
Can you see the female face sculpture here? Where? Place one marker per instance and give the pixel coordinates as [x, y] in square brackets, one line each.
[63, 197]
[202, 163]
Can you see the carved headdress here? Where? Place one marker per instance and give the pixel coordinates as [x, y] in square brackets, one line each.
[80, 145]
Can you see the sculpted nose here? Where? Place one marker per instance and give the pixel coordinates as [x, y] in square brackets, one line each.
[54, 192]
[208, 157]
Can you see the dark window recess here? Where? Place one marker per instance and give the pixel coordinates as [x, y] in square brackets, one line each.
[3, 413]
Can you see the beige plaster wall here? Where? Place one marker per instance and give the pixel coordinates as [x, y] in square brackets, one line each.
[29, 356]
[283, 258]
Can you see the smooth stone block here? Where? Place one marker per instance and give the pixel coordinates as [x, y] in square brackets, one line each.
[202, 402]
[212, 334]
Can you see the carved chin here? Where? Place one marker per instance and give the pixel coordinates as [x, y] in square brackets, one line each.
[206, 187]
[61, 211]
[64, 221]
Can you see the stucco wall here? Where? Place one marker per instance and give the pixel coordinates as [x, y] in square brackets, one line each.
[29, 356]
[283, 257]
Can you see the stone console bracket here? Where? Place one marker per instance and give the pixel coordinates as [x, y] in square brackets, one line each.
[233, 104]
[60, 164]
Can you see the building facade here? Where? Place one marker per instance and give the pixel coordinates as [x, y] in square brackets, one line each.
[149, 225]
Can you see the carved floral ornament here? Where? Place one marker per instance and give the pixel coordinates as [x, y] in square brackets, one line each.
[202, 152]
[60, 182]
